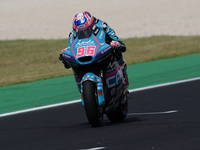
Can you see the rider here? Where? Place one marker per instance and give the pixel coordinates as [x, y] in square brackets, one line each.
[82, 21]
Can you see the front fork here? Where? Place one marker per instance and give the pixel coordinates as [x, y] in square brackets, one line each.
[99, 85]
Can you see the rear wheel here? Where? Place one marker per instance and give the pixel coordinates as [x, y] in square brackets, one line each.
[121, 112]
[90, 102]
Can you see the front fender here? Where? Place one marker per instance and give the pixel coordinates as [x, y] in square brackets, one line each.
[99, 85]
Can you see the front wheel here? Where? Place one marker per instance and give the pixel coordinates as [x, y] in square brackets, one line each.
[90, 102]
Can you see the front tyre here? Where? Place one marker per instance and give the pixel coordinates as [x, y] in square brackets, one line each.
[90, 103]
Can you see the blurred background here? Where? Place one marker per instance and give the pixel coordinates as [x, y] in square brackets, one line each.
[52, 19]
[33, 32]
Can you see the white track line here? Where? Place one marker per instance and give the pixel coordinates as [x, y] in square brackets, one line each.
[39, 108]
[165, 84]
[154, 113]
[95, 148]
[77, 101]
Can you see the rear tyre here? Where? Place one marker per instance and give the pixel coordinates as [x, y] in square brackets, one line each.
[121, 112]
[90, 103]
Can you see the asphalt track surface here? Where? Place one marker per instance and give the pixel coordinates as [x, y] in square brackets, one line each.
[164, 118]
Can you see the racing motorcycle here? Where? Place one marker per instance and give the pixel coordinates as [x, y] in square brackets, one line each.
[98, 76]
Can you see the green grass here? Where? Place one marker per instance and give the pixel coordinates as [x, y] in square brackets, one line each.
[30, 60]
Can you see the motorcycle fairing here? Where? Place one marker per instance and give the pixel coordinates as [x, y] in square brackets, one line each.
[88, 50]
[91, 50]
[114, 81]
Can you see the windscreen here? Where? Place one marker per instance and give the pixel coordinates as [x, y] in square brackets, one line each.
[85, 33]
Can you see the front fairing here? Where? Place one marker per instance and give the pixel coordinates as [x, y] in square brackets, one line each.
[88, 50]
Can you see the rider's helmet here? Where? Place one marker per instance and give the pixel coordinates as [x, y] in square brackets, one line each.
[82, 20]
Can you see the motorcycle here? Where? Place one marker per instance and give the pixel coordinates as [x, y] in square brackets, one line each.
[98, 76]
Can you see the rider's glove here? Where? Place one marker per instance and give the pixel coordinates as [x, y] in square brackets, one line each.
[115, 44]
[67, 66]
[117, 48]
[60, 57]
[62, 51]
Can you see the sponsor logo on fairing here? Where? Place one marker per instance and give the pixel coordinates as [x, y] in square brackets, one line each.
[65, 55]
[101, 35]
[105, 50]
[111, 66]
[113, 80]
[85, 50]
[84, 43]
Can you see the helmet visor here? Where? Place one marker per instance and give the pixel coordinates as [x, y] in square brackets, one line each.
[80, 21]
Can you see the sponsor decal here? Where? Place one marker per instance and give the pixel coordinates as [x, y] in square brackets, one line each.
[111, 66]
[70, 34]
[101, 35]
[86, 50]
[105, 25]
[81, 26]
[105, 50]
[100, 92]
[87, 79]
[67, 56]
[90, 42]
[113, 79]
[96, 31]
[94, 27]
